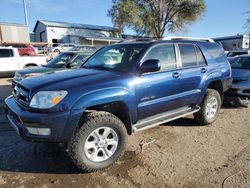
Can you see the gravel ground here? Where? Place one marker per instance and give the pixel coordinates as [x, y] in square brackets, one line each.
[178, 154]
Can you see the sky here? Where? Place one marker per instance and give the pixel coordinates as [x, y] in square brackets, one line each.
[222, 17]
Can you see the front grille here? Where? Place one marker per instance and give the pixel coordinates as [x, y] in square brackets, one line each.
[246, 91]
[21, 95]
[232, 90]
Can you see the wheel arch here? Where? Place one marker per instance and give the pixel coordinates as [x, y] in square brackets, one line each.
[30, 65]
[117, 108]
[218, 86]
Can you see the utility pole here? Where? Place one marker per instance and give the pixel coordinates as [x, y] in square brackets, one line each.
[25, 13]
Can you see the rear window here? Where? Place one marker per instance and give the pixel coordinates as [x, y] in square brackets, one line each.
[216, 51]
[6, 53]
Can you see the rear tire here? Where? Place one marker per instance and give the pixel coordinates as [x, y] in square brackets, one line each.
[98, 142]
[210, 108]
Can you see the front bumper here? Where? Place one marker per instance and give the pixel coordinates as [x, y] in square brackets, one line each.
[61, 124]
[239, 93]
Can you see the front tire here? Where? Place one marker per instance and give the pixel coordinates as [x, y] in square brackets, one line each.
[210, 108]
[98, 142]
[238, 102]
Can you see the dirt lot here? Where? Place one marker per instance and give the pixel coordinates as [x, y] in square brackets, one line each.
[180, 154]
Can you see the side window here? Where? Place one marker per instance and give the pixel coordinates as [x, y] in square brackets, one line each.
[78, 61]
[188, 55]
[165, 54]
[216, 51]
[6, 53]
[200, 58]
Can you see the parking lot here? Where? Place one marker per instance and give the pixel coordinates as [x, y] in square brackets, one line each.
[177, 154]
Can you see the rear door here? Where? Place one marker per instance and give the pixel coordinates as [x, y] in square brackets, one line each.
[8, 61]
[159, 91]
[193, 68]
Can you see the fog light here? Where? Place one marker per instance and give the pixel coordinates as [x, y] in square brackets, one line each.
[39, 131]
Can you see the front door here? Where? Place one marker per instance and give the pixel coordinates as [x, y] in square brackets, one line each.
[159, 92]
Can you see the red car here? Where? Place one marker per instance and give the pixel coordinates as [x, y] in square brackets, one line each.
[24, 49]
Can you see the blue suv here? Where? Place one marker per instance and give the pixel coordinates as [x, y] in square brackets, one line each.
[121, 89]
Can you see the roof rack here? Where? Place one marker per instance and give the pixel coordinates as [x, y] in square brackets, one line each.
[188, 38]
[136, 39]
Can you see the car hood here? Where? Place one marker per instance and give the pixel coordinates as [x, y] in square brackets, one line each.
[37, 70]
[241, 74]
[65, 80]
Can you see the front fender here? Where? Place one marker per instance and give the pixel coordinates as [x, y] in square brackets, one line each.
[107, 95]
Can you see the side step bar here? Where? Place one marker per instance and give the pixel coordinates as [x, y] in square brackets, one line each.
[164, 118]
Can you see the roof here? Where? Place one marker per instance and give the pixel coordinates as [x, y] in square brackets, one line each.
[176, 39]
[74, 25]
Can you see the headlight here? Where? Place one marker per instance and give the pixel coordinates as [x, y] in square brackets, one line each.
[47, 99]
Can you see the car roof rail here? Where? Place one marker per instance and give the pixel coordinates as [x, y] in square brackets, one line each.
[143, 39]
[188, 38]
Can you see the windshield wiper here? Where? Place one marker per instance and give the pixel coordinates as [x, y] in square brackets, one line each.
[101, 68]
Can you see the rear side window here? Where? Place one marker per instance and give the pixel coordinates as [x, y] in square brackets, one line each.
[188, 55]
[6, 53]
[216, 51]
[165, 54]
[200, 57]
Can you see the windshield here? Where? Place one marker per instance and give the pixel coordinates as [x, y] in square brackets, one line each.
[241, 63]
[115, 58]
[233, 54]
[60, 60]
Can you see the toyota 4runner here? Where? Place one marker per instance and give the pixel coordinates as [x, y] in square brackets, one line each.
[121, 89]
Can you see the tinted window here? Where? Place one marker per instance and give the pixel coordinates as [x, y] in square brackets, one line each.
[60, 60]
[216, 51]
[241, 63]
[6, 53]
[164, 53]
[232, 54]
[188, 55]
[200, 58]
[78, 61]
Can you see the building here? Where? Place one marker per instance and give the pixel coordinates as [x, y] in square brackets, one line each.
[14, 33]
[63, 32]
[234, 42]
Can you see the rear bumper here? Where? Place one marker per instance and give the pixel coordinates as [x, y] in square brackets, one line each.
[227, 84]
[61, 124]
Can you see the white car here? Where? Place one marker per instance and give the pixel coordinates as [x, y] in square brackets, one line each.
[10, 61]
[62, 48]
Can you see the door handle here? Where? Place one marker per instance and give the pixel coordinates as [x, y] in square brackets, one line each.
[203, 70]
[176, 75]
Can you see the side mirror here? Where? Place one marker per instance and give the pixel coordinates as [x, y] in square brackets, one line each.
[150, 65]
